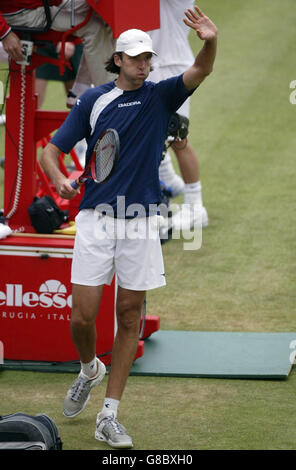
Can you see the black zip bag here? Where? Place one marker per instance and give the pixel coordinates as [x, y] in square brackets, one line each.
[45, 215]
[20, 431]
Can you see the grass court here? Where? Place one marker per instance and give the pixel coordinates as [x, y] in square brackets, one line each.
[242, 279]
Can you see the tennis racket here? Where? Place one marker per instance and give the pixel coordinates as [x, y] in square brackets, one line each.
[103, 159]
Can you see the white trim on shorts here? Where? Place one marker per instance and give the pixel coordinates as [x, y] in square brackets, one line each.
[129, 248]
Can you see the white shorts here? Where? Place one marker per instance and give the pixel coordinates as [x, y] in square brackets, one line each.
[129, 248]
[162, 73]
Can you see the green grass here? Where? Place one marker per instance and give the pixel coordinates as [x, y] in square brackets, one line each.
[168, 413]
[242, 279]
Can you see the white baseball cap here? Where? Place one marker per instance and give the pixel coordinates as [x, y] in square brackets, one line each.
[134, 42]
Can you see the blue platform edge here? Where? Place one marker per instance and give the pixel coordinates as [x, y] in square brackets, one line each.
[217, 355]
[167, 353]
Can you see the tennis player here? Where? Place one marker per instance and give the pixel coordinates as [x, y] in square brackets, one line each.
[140, 111]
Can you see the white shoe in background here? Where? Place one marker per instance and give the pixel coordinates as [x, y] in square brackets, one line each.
[169, 177]
[189, 217]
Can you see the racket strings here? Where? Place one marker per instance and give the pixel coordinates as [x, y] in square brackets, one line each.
[105, 154]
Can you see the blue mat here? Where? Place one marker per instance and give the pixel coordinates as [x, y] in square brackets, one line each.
[216, 354]
[199, 354]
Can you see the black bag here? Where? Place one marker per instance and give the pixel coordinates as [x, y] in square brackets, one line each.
[20, 431]
[178, 126]
[45, 215]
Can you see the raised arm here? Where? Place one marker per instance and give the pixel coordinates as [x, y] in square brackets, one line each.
[207, 32]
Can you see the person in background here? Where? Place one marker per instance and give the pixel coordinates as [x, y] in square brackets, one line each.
[50, 72]
[174, 56]
[96, 35]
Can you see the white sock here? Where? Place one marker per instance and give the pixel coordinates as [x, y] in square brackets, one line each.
[193, 193]
[168, 175]
[110, 405]
[90, 368]
[166, 169]
[79, 88]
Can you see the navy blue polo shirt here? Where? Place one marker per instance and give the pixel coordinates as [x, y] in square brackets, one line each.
[141, 119]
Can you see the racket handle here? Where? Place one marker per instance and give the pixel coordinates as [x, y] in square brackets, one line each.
[75, 185]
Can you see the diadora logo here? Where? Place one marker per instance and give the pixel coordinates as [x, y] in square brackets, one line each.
[131, 103]
[52, 293]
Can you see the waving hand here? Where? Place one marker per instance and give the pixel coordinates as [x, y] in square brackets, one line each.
[204, 27]
[207, 32]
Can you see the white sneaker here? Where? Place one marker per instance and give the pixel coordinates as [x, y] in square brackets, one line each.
[170, 178]
[177, 186]
[204, 217]
[190, 217]
[79, 392]
[109, 430]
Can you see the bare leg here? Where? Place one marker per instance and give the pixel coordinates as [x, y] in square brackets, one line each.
[189, 168]
[68, 85]
[40, 88]
[86, 301]
[187, 160]
[129, 305]
[188, 165]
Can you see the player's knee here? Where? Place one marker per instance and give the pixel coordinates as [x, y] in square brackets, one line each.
[80, 319]
[128, 316]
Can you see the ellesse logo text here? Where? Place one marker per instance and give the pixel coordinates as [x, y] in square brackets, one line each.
[52, 294]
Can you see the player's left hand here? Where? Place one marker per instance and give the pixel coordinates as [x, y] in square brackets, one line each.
[204, 27]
